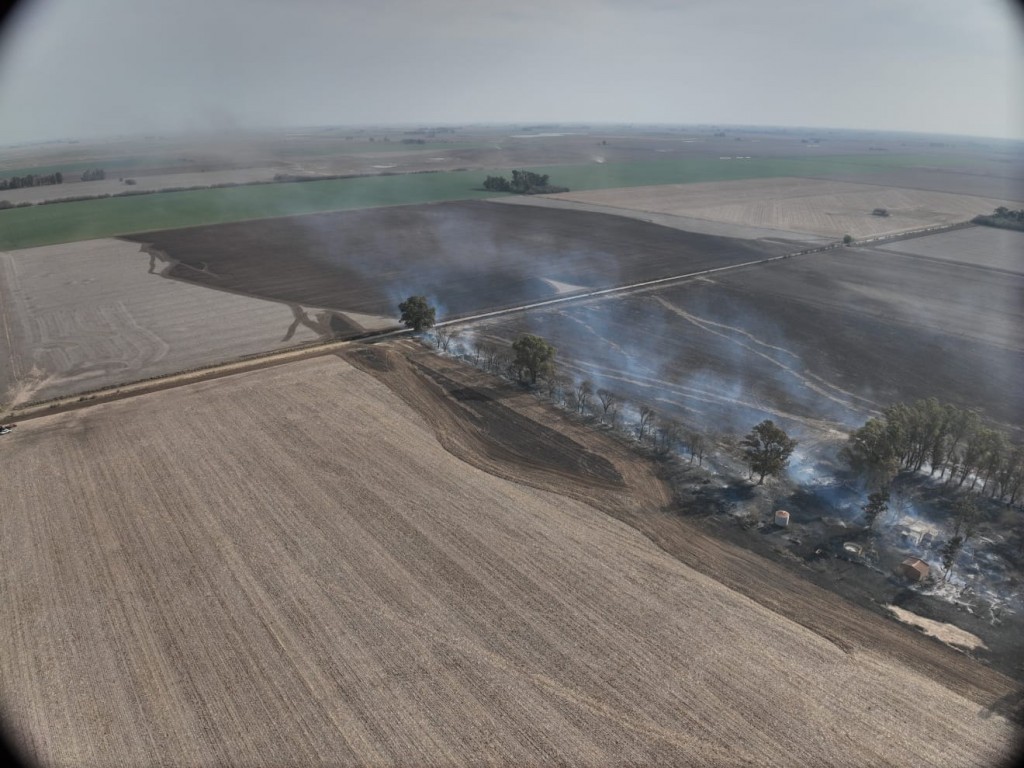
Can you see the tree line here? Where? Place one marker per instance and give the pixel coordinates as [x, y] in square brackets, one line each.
[32, 180]
[1002, 217]
[952, 442]
[523, 183]
[531, 361]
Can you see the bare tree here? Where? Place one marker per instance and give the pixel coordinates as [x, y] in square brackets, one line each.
[563, 388]
[443, 338]
[476, 349]
[643, 425]
[667, 437]
[554, 386]
[491, 353]
[697, 444]
[610, 403]
[584, 391]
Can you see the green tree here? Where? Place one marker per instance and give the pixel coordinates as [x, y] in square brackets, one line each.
[533, 357]
[767, 448]
[847, 239]
[416, 313]
[878, 505]
[497, 184]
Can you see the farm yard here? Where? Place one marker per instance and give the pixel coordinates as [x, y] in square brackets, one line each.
[288, 566]
[812, 206]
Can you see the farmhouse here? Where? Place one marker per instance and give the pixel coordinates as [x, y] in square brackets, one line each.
[913, 568]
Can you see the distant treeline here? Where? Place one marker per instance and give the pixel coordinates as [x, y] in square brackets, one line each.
[1002, 217]
[94, 174]
[523, 183]
[945, 438]
[32, 180]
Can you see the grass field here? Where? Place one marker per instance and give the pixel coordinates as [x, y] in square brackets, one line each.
[44, 225]
[286, 568]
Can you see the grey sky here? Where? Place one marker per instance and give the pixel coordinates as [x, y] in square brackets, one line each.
[93, 67]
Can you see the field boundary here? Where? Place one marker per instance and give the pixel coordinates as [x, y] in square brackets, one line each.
[319, 348]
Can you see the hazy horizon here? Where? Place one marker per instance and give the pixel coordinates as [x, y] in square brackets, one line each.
[115, 68]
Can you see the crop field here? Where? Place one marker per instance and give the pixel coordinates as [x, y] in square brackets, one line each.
[818, 342]
[982, 247]
[579, 163]
[797, 205]
[287, 567]
[81, 316]
[113, 184]
[685, 223]
[87, 219]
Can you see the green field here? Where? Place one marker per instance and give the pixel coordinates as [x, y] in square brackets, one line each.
[65, 222]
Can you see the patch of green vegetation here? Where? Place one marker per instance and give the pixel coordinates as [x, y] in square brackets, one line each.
[64, 222]
[107, 217]
[677, 170]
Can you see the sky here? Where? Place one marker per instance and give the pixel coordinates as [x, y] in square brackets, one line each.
[90, 68]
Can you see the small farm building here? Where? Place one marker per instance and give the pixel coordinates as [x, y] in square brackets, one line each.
[914, 568]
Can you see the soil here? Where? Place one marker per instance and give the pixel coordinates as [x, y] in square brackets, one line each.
[285, 566]
[464, 257]
[729, 555]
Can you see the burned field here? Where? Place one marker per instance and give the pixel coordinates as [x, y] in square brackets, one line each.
[819, 339]
[342, 590]
[819, 344]
[466, 257]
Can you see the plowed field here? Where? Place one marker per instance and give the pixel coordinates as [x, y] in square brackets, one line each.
[287, 568]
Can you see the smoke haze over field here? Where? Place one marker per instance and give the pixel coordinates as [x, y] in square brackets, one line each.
[118, 67]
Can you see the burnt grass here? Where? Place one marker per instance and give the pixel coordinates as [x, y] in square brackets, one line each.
[514, 438]
[466, 256]
[812, 547]
[833, 337]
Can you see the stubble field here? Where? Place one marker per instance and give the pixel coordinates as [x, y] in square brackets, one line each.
[81, 316]
[286, 567]
[813, 206]
[982, 247]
